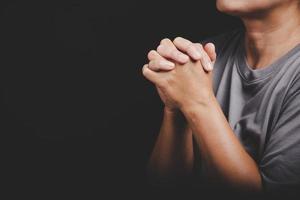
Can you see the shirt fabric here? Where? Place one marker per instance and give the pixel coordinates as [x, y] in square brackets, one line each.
[262, 107]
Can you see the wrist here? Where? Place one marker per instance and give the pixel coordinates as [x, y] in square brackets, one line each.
[171, 111]
[176, 116]
[201, 107]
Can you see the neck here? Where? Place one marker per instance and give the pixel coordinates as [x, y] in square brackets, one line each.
[269, 36]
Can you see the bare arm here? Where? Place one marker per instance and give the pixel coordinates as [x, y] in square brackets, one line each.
[172, 158]
[222, 154]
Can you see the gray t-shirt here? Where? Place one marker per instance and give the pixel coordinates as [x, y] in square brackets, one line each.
[262, 107]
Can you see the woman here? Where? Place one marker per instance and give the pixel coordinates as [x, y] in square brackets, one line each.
[236, 97]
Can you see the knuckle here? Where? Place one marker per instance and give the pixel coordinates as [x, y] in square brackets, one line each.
[151, 54]
[165, 41]
[160, 48]
[191, 47]
[174, 53]
[194, 51]
[164, 50]
[199, 47]
[203, 58]
[177, 39]
[160, 63]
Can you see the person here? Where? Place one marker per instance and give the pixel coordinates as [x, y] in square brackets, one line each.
[232, 102]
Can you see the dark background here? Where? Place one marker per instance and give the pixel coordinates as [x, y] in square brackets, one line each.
[76, 113]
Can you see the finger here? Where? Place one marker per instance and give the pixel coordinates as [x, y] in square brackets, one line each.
[151, 75]
[205, 60]
[161, 65]
[168, 50]
[211, 51]
[188, 47]
[152, 55]
[195, 50]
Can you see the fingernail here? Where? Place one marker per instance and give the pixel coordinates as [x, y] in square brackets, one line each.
[210, 66]
[167, 64]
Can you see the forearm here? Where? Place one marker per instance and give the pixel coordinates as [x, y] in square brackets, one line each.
[221, 151]
[172, 156]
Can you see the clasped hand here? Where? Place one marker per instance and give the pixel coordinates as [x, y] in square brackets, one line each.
[182, 73]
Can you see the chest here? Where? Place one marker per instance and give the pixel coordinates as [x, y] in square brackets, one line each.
[250, 108]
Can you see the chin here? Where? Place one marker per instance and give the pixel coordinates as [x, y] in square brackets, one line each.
[246, 7]
[229, 6]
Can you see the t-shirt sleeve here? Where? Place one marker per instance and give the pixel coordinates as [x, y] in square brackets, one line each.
[280, 162]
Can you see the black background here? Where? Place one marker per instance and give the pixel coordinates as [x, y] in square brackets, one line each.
[76, 113]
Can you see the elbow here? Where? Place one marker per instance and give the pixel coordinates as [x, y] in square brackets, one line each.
[157, 178]
[250, 183]
[254, 184]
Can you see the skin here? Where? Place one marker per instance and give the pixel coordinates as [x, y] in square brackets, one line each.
[182, 73]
